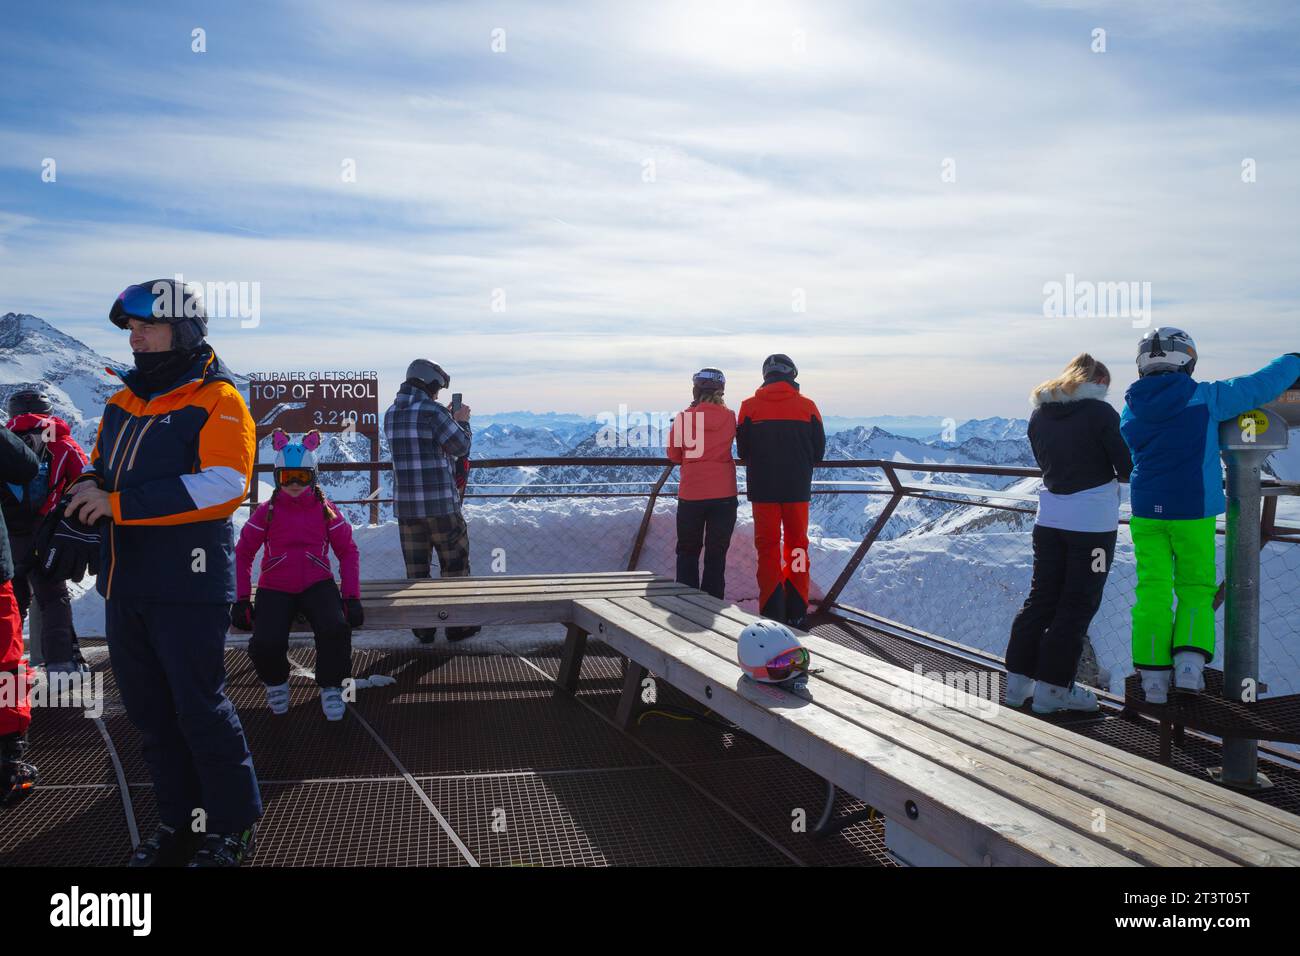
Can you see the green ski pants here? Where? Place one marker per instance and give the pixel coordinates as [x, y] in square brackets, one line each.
[1173, 558]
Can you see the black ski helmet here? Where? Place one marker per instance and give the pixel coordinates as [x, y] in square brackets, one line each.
[428, 374]
[779, 367]
[164, 300]
[29, 401]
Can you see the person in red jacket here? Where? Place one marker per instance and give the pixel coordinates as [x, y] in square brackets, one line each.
[297, 528]
[62, 460]
[700, 443]
[779, 438]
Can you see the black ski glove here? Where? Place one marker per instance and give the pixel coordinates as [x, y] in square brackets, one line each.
[353, 611]
[67, 548]
[241, 615]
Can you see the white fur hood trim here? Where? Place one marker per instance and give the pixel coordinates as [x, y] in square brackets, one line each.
[1086, 390]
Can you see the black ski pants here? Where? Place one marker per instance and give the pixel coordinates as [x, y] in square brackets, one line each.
[1070, 570]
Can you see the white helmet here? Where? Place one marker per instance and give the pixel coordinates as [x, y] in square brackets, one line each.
[1166, 349]
[771, 653]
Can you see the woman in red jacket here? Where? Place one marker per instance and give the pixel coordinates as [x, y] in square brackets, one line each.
[700, 442]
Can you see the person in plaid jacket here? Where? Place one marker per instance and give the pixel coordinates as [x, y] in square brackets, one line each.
[426, 439]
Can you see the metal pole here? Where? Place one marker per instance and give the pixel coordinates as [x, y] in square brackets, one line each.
[856, 558]
[1246, 443]
[645, 518]
[1241, 613]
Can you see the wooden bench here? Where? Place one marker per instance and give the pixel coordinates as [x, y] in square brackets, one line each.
[958, 781]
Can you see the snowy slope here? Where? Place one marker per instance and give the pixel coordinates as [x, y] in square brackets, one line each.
[34, 354]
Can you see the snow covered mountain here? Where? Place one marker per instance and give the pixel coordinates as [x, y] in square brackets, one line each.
[910, 426]
[508, 440]
[990, 429]
[567, 428]
[34, 354]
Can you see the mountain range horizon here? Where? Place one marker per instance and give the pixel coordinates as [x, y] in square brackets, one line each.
[907, 425]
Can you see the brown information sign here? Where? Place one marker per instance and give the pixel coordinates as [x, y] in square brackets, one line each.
[327, 401]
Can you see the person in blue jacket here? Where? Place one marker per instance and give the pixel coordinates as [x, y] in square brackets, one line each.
[1171, 425]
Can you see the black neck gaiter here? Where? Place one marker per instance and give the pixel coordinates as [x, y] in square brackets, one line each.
[160, 370]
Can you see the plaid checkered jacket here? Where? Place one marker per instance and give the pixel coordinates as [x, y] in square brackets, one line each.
[425, 442]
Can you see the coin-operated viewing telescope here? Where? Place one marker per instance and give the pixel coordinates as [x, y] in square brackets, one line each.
[1245, 443]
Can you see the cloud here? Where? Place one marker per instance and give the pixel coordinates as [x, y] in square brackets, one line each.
[648, 187]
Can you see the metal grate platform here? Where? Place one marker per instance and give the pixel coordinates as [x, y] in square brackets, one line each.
[519, 776]
[502, 771]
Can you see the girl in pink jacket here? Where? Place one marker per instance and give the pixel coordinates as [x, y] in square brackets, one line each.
[297, 528]
[700, 443]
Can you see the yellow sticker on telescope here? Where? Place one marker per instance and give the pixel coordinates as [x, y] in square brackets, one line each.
[1260, 420]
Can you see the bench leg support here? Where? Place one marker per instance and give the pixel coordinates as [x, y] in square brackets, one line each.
[826, 826]
[630, 701]
[575, 646]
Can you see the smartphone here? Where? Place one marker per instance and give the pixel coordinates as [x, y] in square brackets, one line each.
[455, 400]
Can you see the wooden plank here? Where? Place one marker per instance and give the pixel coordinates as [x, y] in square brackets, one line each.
[487, 607]
[575, 646]
[963, 725]
[1151, 844]
[490, 594]
[590, 587]
[469, 615]
[949, 809]
[629, 700]
[522, 578]
[1227, 804]
[486, 600]
[506, 579]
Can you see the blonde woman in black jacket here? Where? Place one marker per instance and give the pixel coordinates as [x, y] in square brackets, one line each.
[1075, 436]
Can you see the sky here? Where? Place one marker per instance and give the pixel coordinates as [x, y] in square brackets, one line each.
[573, 206]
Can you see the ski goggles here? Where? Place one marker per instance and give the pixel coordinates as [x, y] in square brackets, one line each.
[709, 379]
[287, 476]
[785, 665]
[135, 302]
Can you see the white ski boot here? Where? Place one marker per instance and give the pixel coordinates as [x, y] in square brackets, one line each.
[331, 702]
[65, 682]
[1051, 698]
[1189, 670]
[1019, 689]
[277, 697]
[1155, 685]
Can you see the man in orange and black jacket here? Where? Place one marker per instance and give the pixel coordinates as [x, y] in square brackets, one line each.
[172, 462]
[779, 437]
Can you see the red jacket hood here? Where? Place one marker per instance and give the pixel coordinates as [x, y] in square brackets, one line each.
[29, 421]
[777, 391]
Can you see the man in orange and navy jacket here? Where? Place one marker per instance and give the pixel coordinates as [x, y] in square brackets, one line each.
[779, 437]
[172, 462]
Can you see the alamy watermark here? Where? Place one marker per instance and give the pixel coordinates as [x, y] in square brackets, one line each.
[1084, 299]
[976, 691]
[625, 428]
[81, 689]
[218, 300]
